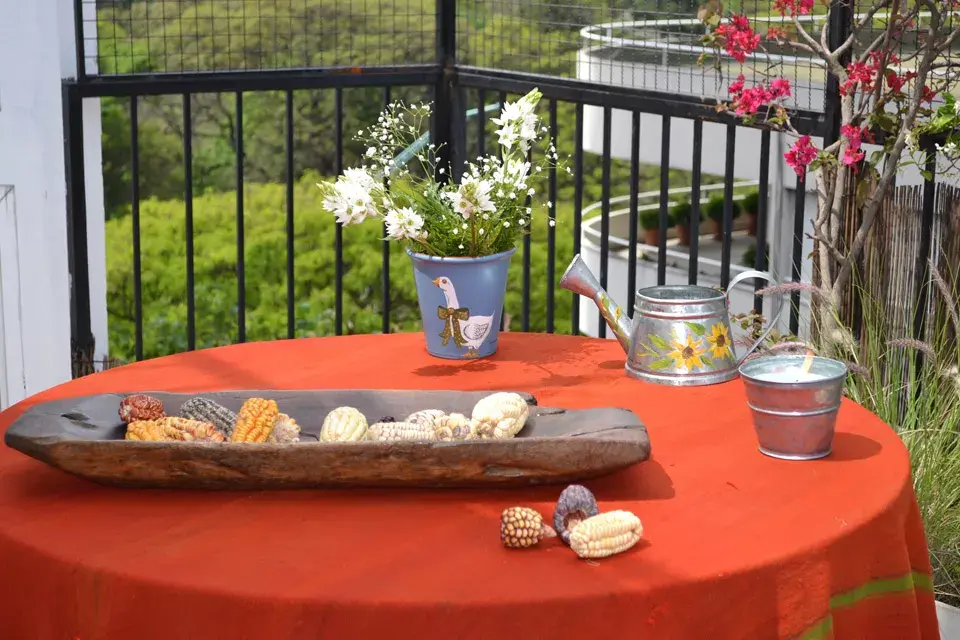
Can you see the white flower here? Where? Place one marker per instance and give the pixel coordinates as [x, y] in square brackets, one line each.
[350, 202]
[404, 223]
[552, 222]
[508, 136]
[518, 122]
[371, 151]
[911, 140]
[521, 222]
[506, 223]
[472, 197]
[360, 177]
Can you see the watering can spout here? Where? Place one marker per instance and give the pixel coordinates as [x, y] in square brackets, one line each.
[579, 279]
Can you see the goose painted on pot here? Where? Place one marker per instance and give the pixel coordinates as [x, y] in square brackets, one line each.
[473, 330]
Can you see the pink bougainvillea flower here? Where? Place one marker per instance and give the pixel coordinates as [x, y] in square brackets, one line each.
[793, 7]
[800, 155]
[780, 88]
[928, 94]
[739, 40]
[736, 88]
[895, 81]
[778, 33]
[852, 157]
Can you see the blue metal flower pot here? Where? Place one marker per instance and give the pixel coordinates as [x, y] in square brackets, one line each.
[461, 300]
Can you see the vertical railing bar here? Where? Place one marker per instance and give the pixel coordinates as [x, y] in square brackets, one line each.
[481, 122]
[291, 292]
[241, 269]
[79, 44]
[664, 217]
[551, 228]
[188, 230]
[797, 253]
[605, 213]
[634, 213]
[385, 254]
[82, 341]
[763, 193]
[727, 242]
[135, 223]
[525, 319]
[338, 233]
[694, 266]
[922, 268]
[577, 205]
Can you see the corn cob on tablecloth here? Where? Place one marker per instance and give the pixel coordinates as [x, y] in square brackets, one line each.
[736, 545]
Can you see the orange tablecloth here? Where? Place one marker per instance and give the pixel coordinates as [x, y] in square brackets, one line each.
[737, 545]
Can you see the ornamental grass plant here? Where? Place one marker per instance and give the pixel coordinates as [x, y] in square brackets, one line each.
[920, 399]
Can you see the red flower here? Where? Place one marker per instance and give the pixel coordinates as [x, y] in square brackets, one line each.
[895, 82]
[739, 40]
[793, 7]
[780, 88]
[737, 87]
[928, 94]
[800, 155]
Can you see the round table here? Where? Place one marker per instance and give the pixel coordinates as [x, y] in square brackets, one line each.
[736, 544]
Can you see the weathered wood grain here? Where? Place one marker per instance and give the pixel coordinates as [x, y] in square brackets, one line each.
[84, 436]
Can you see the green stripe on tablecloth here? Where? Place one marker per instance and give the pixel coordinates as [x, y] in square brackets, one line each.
[885, 586]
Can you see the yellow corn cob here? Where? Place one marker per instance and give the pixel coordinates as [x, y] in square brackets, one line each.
[154, 431]
[393, 431]
[606, 534]
[255, 421]
[522, 527]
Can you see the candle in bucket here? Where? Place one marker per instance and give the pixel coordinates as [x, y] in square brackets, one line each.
[794, 401]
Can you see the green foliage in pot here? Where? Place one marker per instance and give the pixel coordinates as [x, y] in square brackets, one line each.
[650, 219]
[680, 213]
[715, 206]
[751, 202]
[749, 257]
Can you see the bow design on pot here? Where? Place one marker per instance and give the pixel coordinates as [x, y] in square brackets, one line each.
[453, 317]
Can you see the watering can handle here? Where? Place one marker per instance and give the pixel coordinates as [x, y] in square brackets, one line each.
[746, 275]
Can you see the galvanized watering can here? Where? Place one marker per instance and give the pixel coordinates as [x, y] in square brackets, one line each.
[680, 334]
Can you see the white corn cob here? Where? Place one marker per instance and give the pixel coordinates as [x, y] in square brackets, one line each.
[426, 416]
[285, 431]
[343, 424]
[500, 415]
[396, 431]
[606, 534]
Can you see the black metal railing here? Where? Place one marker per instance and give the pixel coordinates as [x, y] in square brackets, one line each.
[454, 88]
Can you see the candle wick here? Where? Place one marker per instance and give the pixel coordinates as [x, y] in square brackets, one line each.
[807, 362]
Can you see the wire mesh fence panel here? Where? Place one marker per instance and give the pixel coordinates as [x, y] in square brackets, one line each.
[177, 36]
[656, 45]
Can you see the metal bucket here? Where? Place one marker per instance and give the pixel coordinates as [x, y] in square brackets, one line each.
[794, 416]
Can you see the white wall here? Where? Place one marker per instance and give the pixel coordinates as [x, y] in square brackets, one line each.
[36, 52]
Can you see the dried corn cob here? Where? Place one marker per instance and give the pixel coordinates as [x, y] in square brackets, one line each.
[343, 424]
[575, 505]
[193, 429]
[606, 534]
[255, 421]
[395, 431]
[500, 415]
[522, 527]
[206, 410]
[455, 426]
[285, 431]
[154, 431]
[426, 416]
[139, 407]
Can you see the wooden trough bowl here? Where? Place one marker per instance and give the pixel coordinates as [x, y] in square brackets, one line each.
[84, 436]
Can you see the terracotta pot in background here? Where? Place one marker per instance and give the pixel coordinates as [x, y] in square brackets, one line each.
[683, 235]
[717, 229]
[752, 224]
[651, 237]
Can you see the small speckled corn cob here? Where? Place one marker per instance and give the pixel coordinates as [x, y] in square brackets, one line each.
[426, 416]
[606, 534]
[455, 426]
[500, 415]
[343, 424]
[285, 431]
[396, 431]
[255, 421]
[522, 527]
[206, 410]
[154, 431]
[140, 407]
